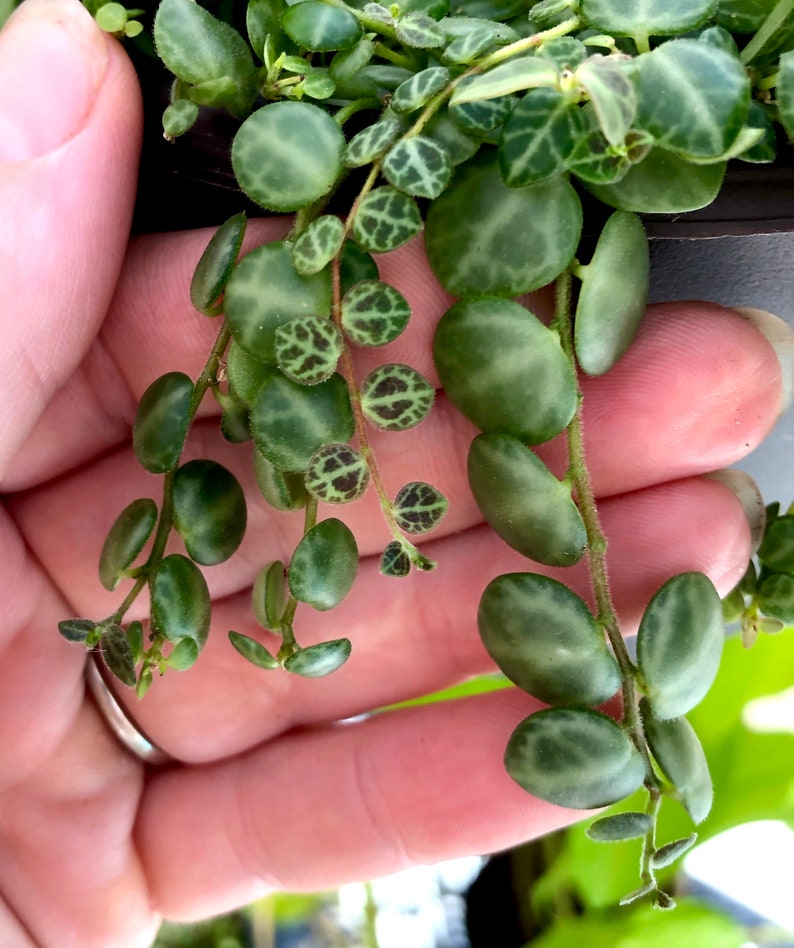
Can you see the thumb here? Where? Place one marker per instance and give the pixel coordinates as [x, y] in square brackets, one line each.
[70, 122]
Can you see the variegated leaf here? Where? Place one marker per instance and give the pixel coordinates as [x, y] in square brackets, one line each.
[372, 142]
[395, 561]
[419, 89]
[420, 31]
[418, 507]
[337, 474]
[395, 397]
[308, 349]
[318, 244]
[385, 220]
[418, 166]
[374, 313]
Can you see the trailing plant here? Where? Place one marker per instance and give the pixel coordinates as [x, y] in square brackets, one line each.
[507, 130]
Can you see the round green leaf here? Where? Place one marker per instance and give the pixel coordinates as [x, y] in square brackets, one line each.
[609, 310]
[253, 651]
[287, 154]
[646, 17]
[291, 421]
[324, 565]
[574, 758]
[183, 655]
[127, 537]
[180, 600]
[687, 186]
[679, 753]
[776, 597]
[504, 369]
[318, 244]
[161, 422]
[319, 660]
[308, 349]
[320, 27]
[337, 474]
[419, 89]
[117, 653]
[374, 313]
[523, 501]
[701, 125]
[620, 826]
[545, 639]
[209, 511]
[264, 292]
[777, 547]
[396, 397]
[418, 166]
[484, 237]
[418, 507]
[216, 263]
[385, 220]
[679, 644]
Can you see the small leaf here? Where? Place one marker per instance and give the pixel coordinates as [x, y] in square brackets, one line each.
[471, 37]
[775, 597]
[385, 220]
[528, 72]
[417, 30]
[395, 561]
[253, 651]
[668, 854]
[647, 17]
[126, 539]
[594, 161]
[77, 630]
[269, 595]
[217, 262]
[419, 507]
[371, 142]
[374, 313]
[417, 91]
[318, 244]
[609, 311]
[679, 644]
[215, 93]
[291, 421]
[209, 511]
[183, 655]
[530, 509]
[337, 474]
[348, 62]
[620, 826]
[777, 547]
[320, 27]
[324, 565]
[282, 490]
[161, 422]
[574, 758]
[483, 116]
[638, 894]
[135, 638]
[180, 600]
[611, 93]
[545, 640]
[288, 154]
[418, 166]
[117, 653]
[179, 117]
[308, 349]
[396, 397]
[319, 660]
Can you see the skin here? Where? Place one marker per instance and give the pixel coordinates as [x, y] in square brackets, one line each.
[267, 791]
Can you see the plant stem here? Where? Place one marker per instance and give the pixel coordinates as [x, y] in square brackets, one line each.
[776, 18]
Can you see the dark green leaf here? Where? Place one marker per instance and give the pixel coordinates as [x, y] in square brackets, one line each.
[484, 237]
[680, 755]
[283, 491]
[668, 854]
[117, 653]
[235, 426]
[347, 62]
[482, 116]
[395, 561]
[419, 507]
[76, 630]
[320, 27]
[371, 142]
[217, 262]
[135, 638]
[609, 311]
[291, 421]
[209, 511]
[458, 144]
[574, 758]
[620, 826]
[564, 51]
[287, 154]
[324, 565]
[319, 660]
[308, 349]
[180, 600]
[161, 422]
[545, 639]
[245, 373]
[418, 166]
[743, 16]
[504, 369]
[374, 313]
[264, 292]
[775, 597]
[679, 644]
[318, 244]
[355, 265]
[396, 397]
[777, 547]
[126, 539]
[253, 651]
[269, 595]
[337, 474]
[524, 503]
[471, 37]
[419, 89]
[385, 220]
[646, 17]
[595, 161]
[262, 20]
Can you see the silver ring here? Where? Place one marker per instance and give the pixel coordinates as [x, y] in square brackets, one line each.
[126, 731]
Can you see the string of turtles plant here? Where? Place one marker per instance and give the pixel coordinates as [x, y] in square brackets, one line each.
[487, 127]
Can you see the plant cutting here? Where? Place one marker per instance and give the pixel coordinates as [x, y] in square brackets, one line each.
[524, 140]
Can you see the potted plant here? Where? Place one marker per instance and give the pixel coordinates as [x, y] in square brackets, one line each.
[526, 140]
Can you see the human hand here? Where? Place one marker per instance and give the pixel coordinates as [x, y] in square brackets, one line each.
[267, 790]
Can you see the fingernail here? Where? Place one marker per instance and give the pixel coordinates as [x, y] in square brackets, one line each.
[780, 336]
[746, 489]
[52, 61]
